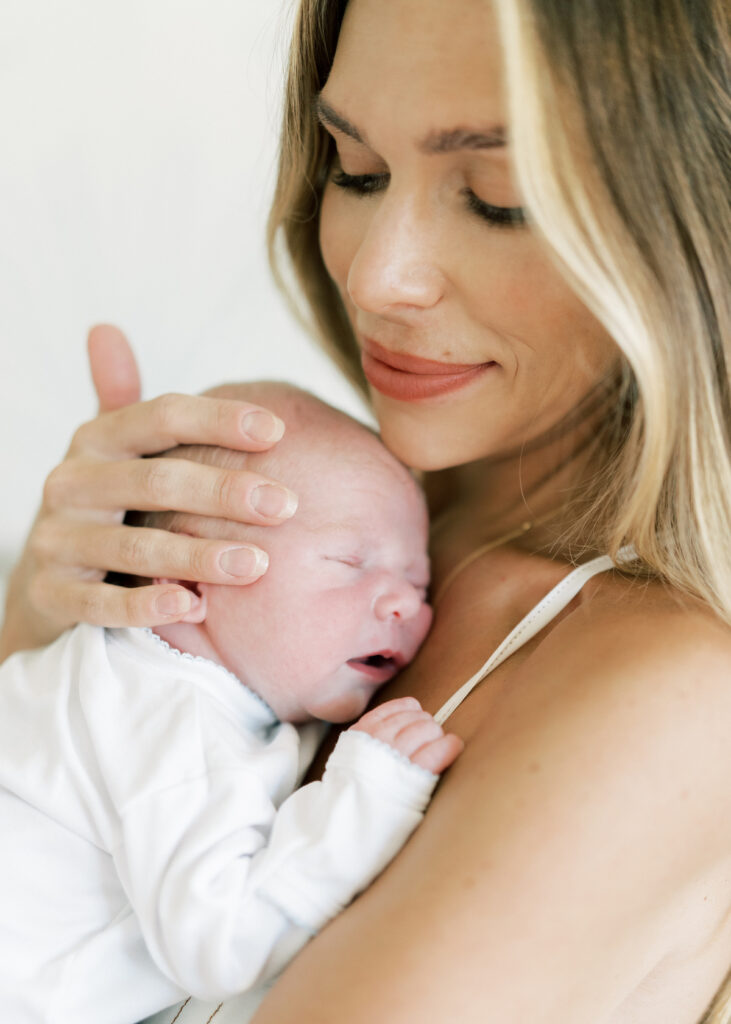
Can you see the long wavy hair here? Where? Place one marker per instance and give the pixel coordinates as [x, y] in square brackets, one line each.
[620, 121]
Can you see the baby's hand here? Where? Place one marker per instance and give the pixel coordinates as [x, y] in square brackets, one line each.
[413, 732]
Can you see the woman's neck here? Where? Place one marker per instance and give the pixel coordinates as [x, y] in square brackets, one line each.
[476, 502]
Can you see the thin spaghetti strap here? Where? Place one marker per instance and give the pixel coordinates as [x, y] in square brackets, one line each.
[536, 619]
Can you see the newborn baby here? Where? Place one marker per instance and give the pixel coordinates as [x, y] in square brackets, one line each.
[159, 844]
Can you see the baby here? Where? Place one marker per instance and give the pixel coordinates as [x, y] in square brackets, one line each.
[156, 843]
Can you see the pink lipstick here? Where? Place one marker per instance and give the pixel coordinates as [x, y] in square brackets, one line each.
[411, 378]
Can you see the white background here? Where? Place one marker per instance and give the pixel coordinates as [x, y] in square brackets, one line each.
[137, 152]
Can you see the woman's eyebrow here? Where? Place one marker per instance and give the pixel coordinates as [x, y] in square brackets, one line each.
[453, 139]
[327, 116]
[445, 141]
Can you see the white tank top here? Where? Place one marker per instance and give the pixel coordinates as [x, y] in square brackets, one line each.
[544, 612]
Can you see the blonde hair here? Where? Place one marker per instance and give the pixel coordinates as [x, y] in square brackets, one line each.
[620, 121]
[305, 156]
[621, 127]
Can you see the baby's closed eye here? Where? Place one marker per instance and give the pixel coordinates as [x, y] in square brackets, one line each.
[354, 561]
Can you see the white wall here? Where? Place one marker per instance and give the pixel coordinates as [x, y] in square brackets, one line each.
[137, 149]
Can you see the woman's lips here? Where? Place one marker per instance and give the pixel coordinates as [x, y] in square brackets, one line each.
[410, 378]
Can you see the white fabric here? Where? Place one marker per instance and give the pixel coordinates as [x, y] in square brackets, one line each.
[242, 1009]
[152, 844]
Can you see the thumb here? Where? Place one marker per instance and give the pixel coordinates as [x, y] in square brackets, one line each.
[113, 367]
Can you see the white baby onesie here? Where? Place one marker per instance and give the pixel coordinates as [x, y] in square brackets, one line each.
[154, 844]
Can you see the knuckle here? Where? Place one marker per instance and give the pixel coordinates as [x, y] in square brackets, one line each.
[90, 605]
[134, 607]
[56, 486]
[43, 541]
[201, 560]
[165, 408]
[133, 550]
[157, 477]
[222, 415]
[80, 437]
[40, 592]
[229, 492]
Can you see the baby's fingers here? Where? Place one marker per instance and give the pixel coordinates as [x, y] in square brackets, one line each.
[437, 755]
[372, 719]
[411, 734]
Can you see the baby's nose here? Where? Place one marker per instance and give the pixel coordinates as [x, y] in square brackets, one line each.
[399, 600]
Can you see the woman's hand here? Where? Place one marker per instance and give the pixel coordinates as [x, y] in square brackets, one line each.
[79, 536]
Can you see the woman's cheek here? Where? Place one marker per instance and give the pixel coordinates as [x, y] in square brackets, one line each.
[550, 314]
[507, 306]
[338, 235]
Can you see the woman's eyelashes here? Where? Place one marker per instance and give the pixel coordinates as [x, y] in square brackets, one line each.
[507, 216]
[368, 184]
[361, 184]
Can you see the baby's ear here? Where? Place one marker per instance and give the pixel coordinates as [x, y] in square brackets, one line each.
[200, 608]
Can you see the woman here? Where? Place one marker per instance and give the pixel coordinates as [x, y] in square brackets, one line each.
[515, 219]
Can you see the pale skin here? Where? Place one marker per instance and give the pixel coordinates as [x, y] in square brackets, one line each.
[574, 865]
[347, 579]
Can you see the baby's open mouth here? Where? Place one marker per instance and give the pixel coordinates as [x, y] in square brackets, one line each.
[379, 667]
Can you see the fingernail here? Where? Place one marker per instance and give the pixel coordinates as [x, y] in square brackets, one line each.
[244, 561]
[273, 501]
[175, 602]
[262, 426]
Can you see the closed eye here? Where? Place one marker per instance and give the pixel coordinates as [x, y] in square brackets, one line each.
[350, 560]
[361, 184]
[368, 184]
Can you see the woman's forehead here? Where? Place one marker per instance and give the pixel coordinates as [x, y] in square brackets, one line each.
[429, 60]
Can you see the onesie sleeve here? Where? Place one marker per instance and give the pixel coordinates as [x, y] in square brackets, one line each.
[228, 890]
[184, 780]
[333, 837]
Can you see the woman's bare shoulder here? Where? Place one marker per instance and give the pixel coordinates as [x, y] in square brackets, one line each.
[635, 656]
[634, 682]
[627, 631]
[564, 848]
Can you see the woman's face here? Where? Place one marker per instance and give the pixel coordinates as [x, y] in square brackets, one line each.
[421, 230]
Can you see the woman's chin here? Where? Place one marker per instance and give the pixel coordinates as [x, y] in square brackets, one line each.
[427, 445]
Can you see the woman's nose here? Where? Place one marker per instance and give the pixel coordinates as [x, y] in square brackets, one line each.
[396, 266]
[398, 600]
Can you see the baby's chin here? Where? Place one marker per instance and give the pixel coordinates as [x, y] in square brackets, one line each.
[345, 708]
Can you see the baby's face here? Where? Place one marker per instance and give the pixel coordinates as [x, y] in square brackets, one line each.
[342, 606]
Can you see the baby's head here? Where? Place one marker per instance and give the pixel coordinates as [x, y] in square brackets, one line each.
[342, 606]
